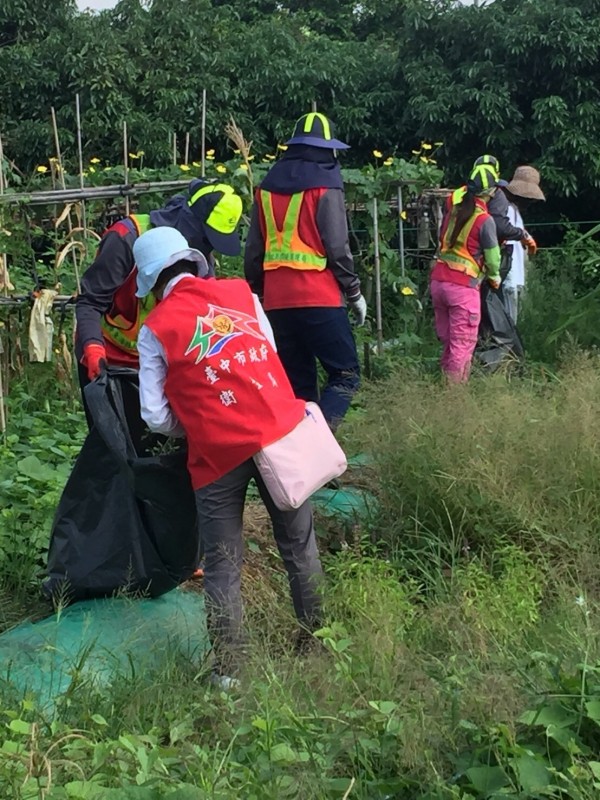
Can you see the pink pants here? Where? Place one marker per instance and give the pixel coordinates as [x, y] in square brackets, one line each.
[457, 314]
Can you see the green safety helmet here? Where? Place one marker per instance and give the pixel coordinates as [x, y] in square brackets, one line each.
[316, 130]
[219, 208]
[488, 161]
[483, 179]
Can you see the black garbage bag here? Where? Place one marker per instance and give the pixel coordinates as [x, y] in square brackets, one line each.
[123, 522]
[498, 338]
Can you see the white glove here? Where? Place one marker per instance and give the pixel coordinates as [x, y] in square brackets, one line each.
[359, 310]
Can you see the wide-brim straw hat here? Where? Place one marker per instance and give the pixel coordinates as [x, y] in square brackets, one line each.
[526, 183]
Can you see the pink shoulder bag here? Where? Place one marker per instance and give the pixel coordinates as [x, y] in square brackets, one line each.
[302, 461]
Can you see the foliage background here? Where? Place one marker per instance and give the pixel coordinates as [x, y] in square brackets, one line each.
[517, 77]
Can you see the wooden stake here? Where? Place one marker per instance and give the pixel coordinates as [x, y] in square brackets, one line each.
[64, 186]
[81, 177]
[2, 411]
[125, 164]
[378, 315]
[401, 231]
[174, 148]
[203, 133]
[3, 263]
[313, 105]
[5, 274]
[187, 149]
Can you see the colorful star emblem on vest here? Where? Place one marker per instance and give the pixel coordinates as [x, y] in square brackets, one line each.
[217, 327]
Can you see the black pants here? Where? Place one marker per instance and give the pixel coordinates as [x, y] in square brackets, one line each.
[307, 335]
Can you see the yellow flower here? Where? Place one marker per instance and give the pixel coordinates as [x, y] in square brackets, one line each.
[94, 160]
[184, 167]
[424, 160]
[92, 169]
[416, 152]
[438, 144]
[53, 160]
[210, 153]
[388, 162]
[237, 152]
[406, 290]
[141, 153]
[133, 156]
[243, 166]
[41, 168]
[270, 157]
[210, 158]
[196, 164]
[250, 158]
[221, 168]
[377, 154]
[425, 146]
[282, 147]
[403, 215]
[432, 161]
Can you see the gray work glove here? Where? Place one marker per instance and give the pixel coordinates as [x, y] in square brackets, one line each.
[358, 306]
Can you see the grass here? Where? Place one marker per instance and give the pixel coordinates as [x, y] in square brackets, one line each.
[460, 650]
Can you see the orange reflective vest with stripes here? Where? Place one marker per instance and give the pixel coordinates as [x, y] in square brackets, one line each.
[458, 256]
[284, 247]
[121, 325]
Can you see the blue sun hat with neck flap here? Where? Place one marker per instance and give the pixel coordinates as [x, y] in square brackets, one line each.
[158, 249]
[316, 130]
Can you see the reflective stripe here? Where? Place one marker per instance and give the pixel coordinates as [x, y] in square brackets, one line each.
[122, 332]
[212, 187]
[310, 121]
[458, 256]
[285, 248]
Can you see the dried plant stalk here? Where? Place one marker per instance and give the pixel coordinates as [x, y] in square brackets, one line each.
[235, 134]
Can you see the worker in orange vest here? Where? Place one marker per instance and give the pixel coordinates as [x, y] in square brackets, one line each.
[298, 259]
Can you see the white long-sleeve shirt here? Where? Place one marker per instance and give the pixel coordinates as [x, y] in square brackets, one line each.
[155, 409]
[516, 276]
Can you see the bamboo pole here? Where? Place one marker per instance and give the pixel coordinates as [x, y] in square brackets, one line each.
[174, 148]
[64, 186]
[125, 164]
[4, 269]
[401, 231]
[186, 159]
[377, 259]
[2, 411]
[90, 193]
[203, 134]
[3, 261]
[81, 177]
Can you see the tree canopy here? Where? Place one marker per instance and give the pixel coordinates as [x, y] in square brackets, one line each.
[518, 78]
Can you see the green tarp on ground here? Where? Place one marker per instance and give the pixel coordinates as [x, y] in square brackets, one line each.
[98, 640]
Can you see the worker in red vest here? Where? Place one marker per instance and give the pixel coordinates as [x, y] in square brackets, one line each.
[468, 254]
[297, 258]
[109, 315]
[209, 370]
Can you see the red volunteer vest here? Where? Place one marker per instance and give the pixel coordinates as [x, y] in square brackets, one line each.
[294, 288]
[225, 383]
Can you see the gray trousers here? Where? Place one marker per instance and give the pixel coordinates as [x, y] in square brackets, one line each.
[512, 300]
[220, 510]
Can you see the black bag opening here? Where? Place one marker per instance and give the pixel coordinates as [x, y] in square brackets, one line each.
[125, 522]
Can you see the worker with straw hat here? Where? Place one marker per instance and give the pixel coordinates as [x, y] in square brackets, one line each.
[520, 192]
